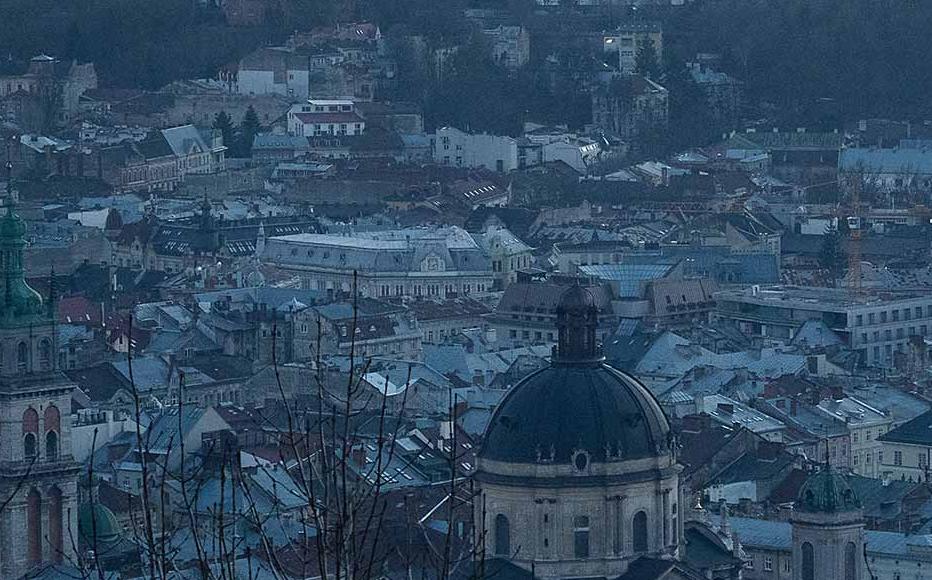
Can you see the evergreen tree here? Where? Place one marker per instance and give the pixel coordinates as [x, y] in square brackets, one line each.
[224, 123]
[248, 129]
[645, 61]
[831, 254]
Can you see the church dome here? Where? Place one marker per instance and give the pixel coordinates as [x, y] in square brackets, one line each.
[97, 523]
[827, 491]
[558, 412]
[578, 405]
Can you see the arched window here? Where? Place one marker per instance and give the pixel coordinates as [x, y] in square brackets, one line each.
[581, 536]
[808, 562]
[45, 354]
[22, 357]
[51, 446]
[52, 418]
[34, 526]
[639, 531]
[30, 433]
[502, 536]
[29, 446]
[851, 555]
[56, 538]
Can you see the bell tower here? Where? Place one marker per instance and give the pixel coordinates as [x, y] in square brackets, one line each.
[828, 529]
[38, 475]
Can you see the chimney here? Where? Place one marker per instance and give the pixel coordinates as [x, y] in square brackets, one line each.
[793, 407]
[358, 455]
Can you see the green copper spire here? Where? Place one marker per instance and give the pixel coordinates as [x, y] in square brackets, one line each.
[19, 303]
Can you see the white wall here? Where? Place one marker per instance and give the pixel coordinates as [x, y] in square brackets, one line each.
[458, 149]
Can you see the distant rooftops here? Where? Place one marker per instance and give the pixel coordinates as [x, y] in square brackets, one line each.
[813, 297]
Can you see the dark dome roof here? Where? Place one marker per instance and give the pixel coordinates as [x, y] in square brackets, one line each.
[827, 491]
[562, 409]
[576, 298]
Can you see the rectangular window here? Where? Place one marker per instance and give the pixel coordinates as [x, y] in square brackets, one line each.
[768, 563]
[897, 458]
[581, 537]
[871, 318]
[859, 320]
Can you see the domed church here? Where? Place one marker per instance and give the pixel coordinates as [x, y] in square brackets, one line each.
[577, 476]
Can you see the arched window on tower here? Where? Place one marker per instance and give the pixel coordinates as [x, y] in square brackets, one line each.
[851, 555]
[30, 433]
[639, 531]
[808, 562]
[502, 536]
[45, 354]
[22, 357]
[52, 430]
[56, 537]
[34, 526]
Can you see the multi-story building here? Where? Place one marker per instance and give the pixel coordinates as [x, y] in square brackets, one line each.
[38, 476]
[46, 94]
[414, 263]
[364, 328]
[906, 450]
[510, 45]
[630, 38]
[527, 311]
[274, 70]
[630, 106]
[459, 149]
[509, 254]
[325, 117]
[722, 92]
[876, 325]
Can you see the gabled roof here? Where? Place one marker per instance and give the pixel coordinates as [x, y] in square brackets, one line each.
[915, 432]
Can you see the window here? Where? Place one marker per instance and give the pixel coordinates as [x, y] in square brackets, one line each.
[51, 446]
[897, 458]
[22, 357]
[859, 320]
[786, 565]
[581, 536]
[808, 562]
[768, 563]
[45, 354]
[29, 446]
[850, 561]
[502, 536]
[639, 531]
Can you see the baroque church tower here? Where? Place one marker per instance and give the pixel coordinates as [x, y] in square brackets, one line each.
[38, 476]
[828, 529]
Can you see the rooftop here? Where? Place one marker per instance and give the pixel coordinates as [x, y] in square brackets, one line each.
[832, 299]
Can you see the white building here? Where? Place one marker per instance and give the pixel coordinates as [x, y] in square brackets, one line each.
[274, 71]
[195, 152]
[906, 450]
[416, 262]
[459, 149]
[325, 117]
